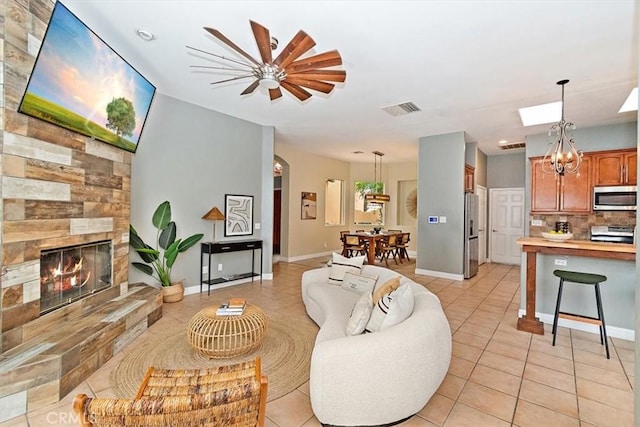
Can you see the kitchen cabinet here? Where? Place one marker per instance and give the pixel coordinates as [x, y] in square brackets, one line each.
[569, 193]
[469, 179]
[616, 167]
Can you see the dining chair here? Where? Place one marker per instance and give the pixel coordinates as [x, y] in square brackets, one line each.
[389, 247]
[342, 235]
[353, 246]
[402, 245]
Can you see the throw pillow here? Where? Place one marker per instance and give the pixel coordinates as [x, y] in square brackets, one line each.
[358, 283]
[360, 315]
[341, 265]
[387, 287]
[392, 309]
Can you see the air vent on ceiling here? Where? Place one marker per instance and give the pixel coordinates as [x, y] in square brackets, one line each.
[402, 109]
[512, 146]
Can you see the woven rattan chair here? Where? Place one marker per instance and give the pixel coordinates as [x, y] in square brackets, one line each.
[388, 247]
[233, 395]
[353, 245]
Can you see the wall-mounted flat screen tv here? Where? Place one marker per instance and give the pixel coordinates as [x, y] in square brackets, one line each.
[80, 83]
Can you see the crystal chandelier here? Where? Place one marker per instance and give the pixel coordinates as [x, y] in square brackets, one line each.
[556, 161]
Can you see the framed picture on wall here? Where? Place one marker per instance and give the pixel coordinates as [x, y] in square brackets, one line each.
[238, 213]
[308, 205]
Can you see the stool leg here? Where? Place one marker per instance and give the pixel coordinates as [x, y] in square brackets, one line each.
[557, 313]
[603, 329]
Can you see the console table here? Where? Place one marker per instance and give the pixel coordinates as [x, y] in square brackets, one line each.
[210, 248]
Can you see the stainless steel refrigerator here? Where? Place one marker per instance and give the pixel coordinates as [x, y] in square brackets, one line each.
[470, 235]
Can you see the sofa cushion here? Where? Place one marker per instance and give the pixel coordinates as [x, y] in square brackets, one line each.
[386, 288]
[391, 309]
[358, 283]
[360, 315]
[340, 265]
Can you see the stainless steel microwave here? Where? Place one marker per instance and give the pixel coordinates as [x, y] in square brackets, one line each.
[615, 198]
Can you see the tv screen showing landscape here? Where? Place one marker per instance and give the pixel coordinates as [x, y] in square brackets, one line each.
[80, 83]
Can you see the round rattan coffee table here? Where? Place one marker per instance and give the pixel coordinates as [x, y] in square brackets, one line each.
[220, 337]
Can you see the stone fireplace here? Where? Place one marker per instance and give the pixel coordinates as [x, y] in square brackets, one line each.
[59, 190]
[71, 273]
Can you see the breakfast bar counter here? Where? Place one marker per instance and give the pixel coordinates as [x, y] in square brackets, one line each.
[582, 248]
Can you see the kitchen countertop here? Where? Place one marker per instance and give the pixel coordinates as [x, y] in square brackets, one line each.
[586, 245]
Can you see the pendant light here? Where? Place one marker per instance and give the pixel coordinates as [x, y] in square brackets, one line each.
[377, 199]
[556, 161]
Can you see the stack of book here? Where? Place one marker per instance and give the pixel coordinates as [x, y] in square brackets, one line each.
[233, 307]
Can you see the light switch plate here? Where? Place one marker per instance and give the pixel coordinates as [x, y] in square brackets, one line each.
[257, 226]
[443, 219]
[536, 222]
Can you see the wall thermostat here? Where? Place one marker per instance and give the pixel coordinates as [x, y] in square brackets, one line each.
[433, 220]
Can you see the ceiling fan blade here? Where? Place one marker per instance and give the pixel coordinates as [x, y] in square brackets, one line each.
[275, 93]
[296, 90]
[264, 41]
[322, 60]
[250, 88]
[325, 75]
[311, 84]
[217, 34]
[298, 45]
[232, 79]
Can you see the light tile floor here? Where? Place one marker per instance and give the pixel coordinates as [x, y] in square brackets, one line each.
[499, 376]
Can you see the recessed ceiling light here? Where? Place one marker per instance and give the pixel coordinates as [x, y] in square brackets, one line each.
[631, 104]
[502, 141]
[541, 114]
[145, 35]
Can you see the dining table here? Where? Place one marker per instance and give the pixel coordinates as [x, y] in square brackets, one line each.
[372, 240]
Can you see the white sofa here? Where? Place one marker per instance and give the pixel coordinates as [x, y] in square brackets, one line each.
[373, 378]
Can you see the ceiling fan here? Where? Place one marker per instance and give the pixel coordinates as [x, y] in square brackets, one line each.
[288, 70]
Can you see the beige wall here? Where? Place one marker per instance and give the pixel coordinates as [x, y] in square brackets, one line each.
[308, 172]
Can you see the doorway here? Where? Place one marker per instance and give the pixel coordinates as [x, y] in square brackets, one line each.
[506, 215]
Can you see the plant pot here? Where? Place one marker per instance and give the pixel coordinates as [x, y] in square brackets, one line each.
[173, 293]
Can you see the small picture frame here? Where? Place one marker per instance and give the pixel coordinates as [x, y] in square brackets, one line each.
[238, 213]
[308, 205]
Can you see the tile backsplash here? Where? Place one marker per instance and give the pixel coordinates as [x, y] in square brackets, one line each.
[580, 225]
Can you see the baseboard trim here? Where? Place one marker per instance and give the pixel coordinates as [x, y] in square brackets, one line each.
[612, 331]
[440, 274]
[196, 289]
[309, 256]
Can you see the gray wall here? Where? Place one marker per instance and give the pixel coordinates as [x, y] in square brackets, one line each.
[192, 157]
[441, 193]
[506, 170]
[481, 169]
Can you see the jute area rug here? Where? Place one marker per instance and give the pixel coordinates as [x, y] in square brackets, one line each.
[285, 355]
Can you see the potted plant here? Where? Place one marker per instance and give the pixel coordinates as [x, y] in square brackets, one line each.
[161, 258]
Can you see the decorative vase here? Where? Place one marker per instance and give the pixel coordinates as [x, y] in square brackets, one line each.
[173, 293]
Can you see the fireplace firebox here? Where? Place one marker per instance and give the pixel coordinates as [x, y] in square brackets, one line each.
[71, 273]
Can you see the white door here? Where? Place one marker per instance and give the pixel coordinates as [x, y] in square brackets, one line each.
[506, 217]
[482, 223]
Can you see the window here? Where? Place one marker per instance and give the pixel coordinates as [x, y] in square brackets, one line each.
[334, 202]
[365, 212]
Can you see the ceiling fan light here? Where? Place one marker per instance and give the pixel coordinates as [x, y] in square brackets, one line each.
[269, 83]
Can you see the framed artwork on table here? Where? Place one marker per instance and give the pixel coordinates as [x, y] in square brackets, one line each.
[308, 205]
[238, 213]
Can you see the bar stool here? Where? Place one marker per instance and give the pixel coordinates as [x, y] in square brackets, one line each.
[583, 279]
